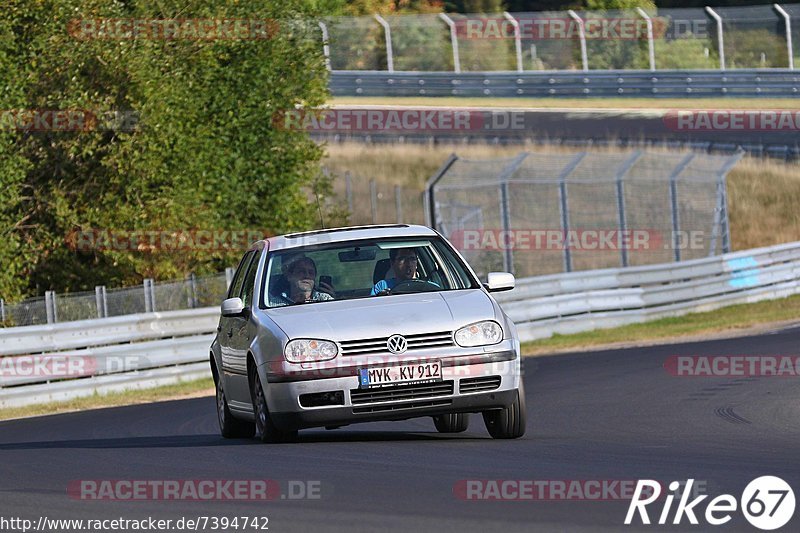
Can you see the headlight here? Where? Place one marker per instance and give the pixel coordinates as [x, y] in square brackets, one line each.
[309, 350]
[479, 334]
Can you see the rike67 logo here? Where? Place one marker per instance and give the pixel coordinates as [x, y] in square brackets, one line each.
[767, 503]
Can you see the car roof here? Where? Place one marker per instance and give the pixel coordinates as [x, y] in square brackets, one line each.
[351, 233]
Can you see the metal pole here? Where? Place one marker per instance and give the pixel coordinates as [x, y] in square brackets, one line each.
[788, 20]
[453, 41]
[623, 222]
[373, 200]
[564, 207]
[720, 38]
[650, 44]
[326, 49]
[505, 215]
[348, 187]
[105, 301]
[673, 199]
[582, 37]
[2, 310]
[517, 38]
[192, 291]
[387, 31]
[50, 307]
[98, 300]
[398, 203]
[148, 301]
[430, 212]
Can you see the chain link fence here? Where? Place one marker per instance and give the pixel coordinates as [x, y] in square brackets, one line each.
[370, 201]
[544, 213]
[742, 37]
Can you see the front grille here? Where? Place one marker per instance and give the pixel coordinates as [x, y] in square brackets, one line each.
[480, 384]
[401, 407]
[401, 392]
[377, 345]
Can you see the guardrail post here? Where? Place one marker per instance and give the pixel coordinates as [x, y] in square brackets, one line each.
[229, 272]
[720, 36]
[326, 49]
[373, 200]
[50, 307]
[788, 21]
[192, 291]
[387, 32]
[517, 39]
[453, 41]
[398, 203]
[673, 200]
[582, 37]
[651, 51]
[348, 187]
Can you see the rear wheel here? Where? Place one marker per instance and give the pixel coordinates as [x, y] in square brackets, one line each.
[509, 422]
[451, 422]
[266, 430]
[230, 427]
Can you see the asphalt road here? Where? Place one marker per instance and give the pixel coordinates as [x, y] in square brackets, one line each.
[610, 415]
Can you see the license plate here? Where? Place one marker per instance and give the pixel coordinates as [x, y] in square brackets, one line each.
[400, 374]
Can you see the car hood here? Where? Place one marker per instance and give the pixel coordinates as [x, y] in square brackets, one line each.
[382, 316]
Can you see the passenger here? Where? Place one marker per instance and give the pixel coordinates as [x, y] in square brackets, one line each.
[403, 263]
[300, 277]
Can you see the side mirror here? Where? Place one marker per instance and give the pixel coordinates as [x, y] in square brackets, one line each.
[499, 281]
[233, 307]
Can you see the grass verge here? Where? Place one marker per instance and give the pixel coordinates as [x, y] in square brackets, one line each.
[574, 103]
[731, 320]
[186, 389]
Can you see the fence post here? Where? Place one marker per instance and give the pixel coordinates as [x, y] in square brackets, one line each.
[673, 200]
[623, 222]
[651, 51]
[517, 39]
[148, 296]
[50, 307]
[430, 201]
[348, 187]
[582, 37]
[398, 203]
[505, 216]
[564, 208]
[98, 300]
[326, 49]
[2, 310]
[192, 291]
[453, 41]
[388, 35]
[720, 36]
[373, 200]
[788, 20]
[229, 272]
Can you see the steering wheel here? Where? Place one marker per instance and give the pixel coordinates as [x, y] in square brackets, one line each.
[415, 285]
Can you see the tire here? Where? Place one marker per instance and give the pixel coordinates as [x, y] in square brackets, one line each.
[229, 426]
[266, 430]
[509, 422]
[451, 422]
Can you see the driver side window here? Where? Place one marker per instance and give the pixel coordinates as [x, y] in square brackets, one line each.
[238, 278]
[250, 281]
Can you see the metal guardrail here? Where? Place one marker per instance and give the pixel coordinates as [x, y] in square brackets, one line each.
[767, 83]
[151, 349]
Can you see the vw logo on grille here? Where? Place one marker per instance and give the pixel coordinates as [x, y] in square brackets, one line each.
[397, 344]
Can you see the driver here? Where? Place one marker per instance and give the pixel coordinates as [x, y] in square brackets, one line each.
[403, 263]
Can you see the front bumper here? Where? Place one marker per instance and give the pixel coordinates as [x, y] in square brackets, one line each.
[455, 393]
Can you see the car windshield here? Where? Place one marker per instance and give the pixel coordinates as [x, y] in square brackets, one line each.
[363, 269]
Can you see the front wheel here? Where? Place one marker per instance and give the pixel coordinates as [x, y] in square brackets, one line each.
[508, 422]
[451, 422]
[266, 430]
[230, 427]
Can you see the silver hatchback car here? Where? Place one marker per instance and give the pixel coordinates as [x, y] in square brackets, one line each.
[332, 327]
